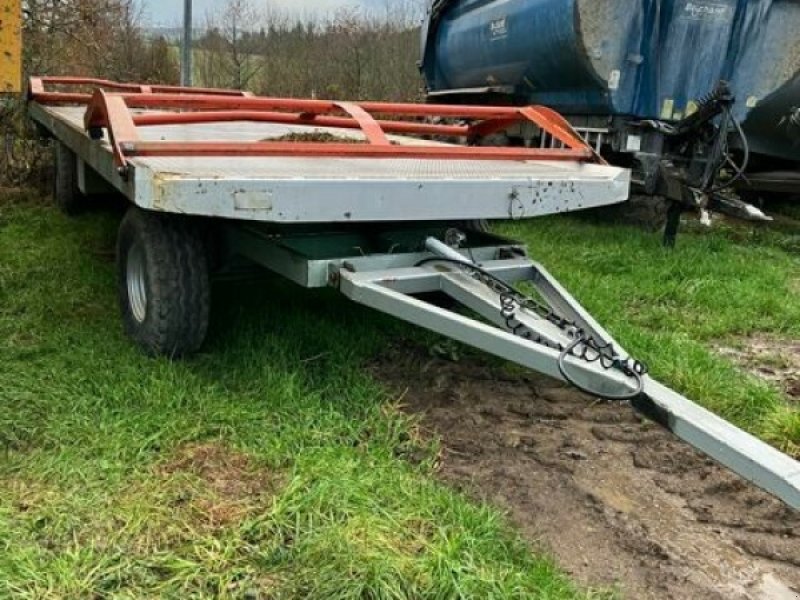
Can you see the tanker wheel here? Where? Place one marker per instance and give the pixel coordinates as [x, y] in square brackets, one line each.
[646, 212]
[66, 193]
[650, 212]
[163, 283]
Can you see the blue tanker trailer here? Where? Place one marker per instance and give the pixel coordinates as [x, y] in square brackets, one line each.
[685, 92]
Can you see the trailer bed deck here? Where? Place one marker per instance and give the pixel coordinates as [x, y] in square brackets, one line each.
[333, 190]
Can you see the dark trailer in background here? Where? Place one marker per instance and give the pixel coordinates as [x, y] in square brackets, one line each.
[656, 85]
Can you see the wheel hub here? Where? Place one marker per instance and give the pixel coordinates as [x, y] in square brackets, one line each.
[137, 288]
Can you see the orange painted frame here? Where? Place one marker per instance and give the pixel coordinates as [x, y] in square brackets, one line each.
[109, 107]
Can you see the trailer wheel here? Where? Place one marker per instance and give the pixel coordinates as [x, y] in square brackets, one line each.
[67, 195]
[164, 287]
[479, 225]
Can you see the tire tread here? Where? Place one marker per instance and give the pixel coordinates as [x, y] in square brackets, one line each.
[179, 296]
[66, 193]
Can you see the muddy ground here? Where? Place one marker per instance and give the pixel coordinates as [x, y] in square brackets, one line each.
[772, 359]
[618, 501]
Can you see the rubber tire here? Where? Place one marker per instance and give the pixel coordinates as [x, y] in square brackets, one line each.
[66, 193]
[176, 281]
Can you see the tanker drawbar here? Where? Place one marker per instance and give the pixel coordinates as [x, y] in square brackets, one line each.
[689, 94]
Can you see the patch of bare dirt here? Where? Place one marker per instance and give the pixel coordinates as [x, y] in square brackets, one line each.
[618, 501]
[775, 360]
[27, 495]
[316, 137]
[227, 484]
[323, 137]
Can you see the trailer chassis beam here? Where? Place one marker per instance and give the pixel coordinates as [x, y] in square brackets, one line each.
[390, 291]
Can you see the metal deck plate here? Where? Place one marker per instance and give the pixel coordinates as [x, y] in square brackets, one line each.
[331, 190]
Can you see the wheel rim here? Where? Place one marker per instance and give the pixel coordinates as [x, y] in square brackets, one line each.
[137, 288]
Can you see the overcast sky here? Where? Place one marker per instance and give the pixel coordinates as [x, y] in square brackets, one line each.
[169, 12]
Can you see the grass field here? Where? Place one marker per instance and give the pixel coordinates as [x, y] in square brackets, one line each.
[672, 308]
[273, 465]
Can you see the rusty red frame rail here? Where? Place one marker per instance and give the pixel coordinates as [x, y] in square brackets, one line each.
[36, 89]
[110, 106]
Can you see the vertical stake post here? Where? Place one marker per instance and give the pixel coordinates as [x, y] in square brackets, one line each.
[186, 48]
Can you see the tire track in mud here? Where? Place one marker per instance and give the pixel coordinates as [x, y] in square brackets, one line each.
[617, 500]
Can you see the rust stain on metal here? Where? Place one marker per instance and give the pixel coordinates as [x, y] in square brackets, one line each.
[159, 179]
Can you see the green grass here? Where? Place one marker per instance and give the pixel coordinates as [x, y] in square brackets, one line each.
[672, 308]
[271, 466]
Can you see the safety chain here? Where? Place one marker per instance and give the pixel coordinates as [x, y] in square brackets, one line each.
[583, 346]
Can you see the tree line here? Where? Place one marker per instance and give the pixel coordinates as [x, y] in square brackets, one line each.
[244, 44]
[349, 54]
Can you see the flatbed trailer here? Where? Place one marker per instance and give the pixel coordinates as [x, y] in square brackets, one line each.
[358, 197]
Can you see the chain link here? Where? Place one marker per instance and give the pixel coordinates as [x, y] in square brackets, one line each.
[583, 346]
